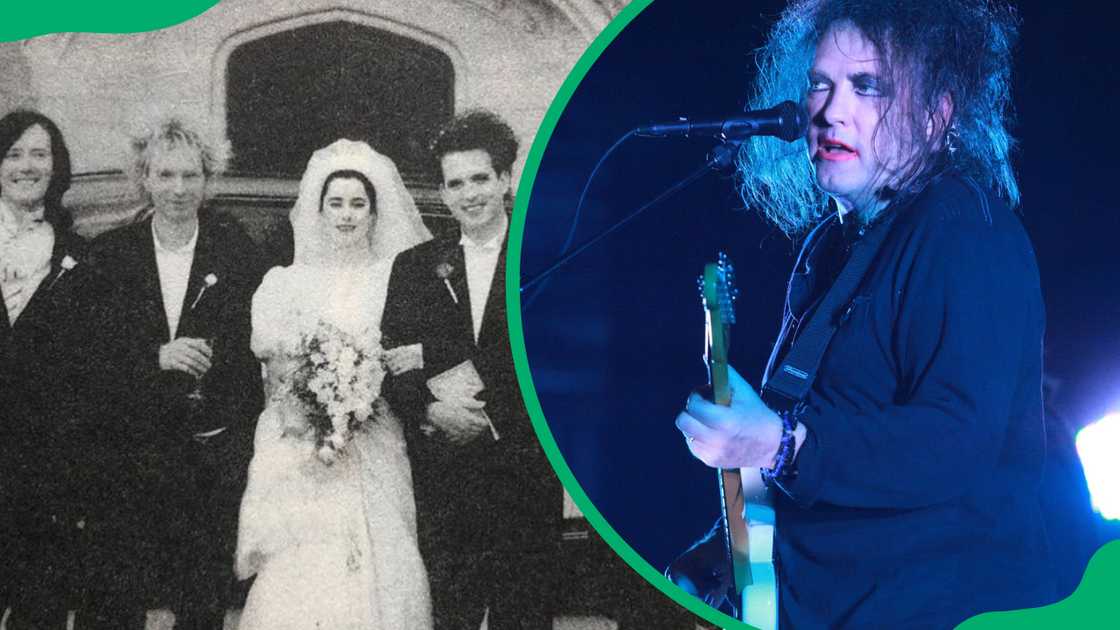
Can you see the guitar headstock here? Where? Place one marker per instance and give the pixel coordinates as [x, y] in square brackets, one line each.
[717, 290]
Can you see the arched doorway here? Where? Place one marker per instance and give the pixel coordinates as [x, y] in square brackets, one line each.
[292, 92]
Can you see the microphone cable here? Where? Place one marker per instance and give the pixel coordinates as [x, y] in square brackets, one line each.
[527, 301]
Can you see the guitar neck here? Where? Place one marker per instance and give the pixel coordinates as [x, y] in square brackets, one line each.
[721, 390]
[752, 571]
[719, 340]
[718, 298]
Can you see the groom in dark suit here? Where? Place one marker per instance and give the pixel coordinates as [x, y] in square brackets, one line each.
[487, 501]
[178, 438]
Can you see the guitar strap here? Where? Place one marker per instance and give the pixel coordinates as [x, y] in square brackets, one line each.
[783, 388]
[791, 380]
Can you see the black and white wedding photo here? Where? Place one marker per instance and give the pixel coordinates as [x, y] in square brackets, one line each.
[255, 369]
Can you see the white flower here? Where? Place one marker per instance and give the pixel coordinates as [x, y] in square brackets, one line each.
[342, 374]
[327, 454]
[208, 281]
[67, 264]
[348, 357]
[336, 441]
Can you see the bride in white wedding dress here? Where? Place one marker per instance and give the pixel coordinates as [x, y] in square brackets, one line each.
[333, 546]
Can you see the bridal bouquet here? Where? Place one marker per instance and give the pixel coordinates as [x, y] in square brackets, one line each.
[339, 384]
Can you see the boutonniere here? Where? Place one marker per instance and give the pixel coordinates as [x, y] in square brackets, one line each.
[67, 264]
[209, 281]
[443, 272]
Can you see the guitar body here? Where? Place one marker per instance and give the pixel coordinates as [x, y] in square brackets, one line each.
[747, 515]
[759, 599]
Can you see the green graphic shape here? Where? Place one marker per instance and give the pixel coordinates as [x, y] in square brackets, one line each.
[23, 20]
[1093, 605]
[1088, 610]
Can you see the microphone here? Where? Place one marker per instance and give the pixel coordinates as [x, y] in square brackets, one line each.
[788, 121]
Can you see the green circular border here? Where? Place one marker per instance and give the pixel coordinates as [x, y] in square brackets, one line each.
[517, 338]
[1087, 607]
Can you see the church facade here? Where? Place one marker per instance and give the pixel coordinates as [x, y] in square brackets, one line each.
[275, 79]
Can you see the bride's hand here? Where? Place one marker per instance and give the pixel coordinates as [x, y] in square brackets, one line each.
[404, 359]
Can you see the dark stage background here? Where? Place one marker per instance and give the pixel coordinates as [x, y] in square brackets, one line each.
[614, 339]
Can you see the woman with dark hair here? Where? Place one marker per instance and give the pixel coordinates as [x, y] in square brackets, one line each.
[328, 521]
[905, 475]
[44, 325]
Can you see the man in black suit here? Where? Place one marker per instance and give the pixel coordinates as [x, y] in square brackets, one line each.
[47, 367]
[178, 439]
[487, 501]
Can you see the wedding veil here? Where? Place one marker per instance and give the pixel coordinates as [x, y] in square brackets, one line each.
[398, 225]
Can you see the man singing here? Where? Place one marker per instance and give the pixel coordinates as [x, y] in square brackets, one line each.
[906, 480]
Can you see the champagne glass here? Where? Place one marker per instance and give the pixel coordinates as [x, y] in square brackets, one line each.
[195, 397]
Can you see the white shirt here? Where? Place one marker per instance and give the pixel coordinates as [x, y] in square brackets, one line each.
[174, 272]
[481, 259]
[25, 257]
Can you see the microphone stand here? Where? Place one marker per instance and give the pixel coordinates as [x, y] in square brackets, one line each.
[720, 157]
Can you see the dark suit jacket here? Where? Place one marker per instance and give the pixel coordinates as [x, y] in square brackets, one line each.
[45, 373]
[149, 424]
[915, 502]
[487, 494]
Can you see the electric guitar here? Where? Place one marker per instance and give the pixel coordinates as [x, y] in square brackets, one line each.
[748, 520]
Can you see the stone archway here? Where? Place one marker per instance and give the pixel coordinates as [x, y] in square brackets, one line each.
[291, 91]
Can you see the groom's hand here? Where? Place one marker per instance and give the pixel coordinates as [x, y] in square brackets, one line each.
[186, 354]
[460, 421]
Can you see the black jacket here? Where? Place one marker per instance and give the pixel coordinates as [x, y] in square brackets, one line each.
[487, 494]
[48, 370]
[916, 501]
[147, 419]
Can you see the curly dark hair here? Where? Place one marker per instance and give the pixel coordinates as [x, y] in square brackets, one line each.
[959, 48]
[12, 126]
[478, 129]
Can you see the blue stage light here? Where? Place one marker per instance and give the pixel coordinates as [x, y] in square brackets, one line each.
[1098, 446]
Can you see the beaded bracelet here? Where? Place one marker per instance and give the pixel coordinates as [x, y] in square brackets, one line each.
[783, 467]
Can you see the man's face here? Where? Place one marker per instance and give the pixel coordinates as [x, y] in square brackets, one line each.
[847, 97]
[26, 170]
[474, 192]
[176, 183]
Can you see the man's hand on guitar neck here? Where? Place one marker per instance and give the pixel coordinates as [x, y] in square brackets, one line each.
[745, 434]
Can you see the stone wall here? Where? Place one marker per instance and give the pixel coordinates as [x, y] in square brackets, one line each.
[508, 56]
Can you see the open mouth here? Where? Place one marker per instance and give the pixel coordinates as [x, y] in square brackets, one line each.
[835, 150]
[346, 228]
[835, 146]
